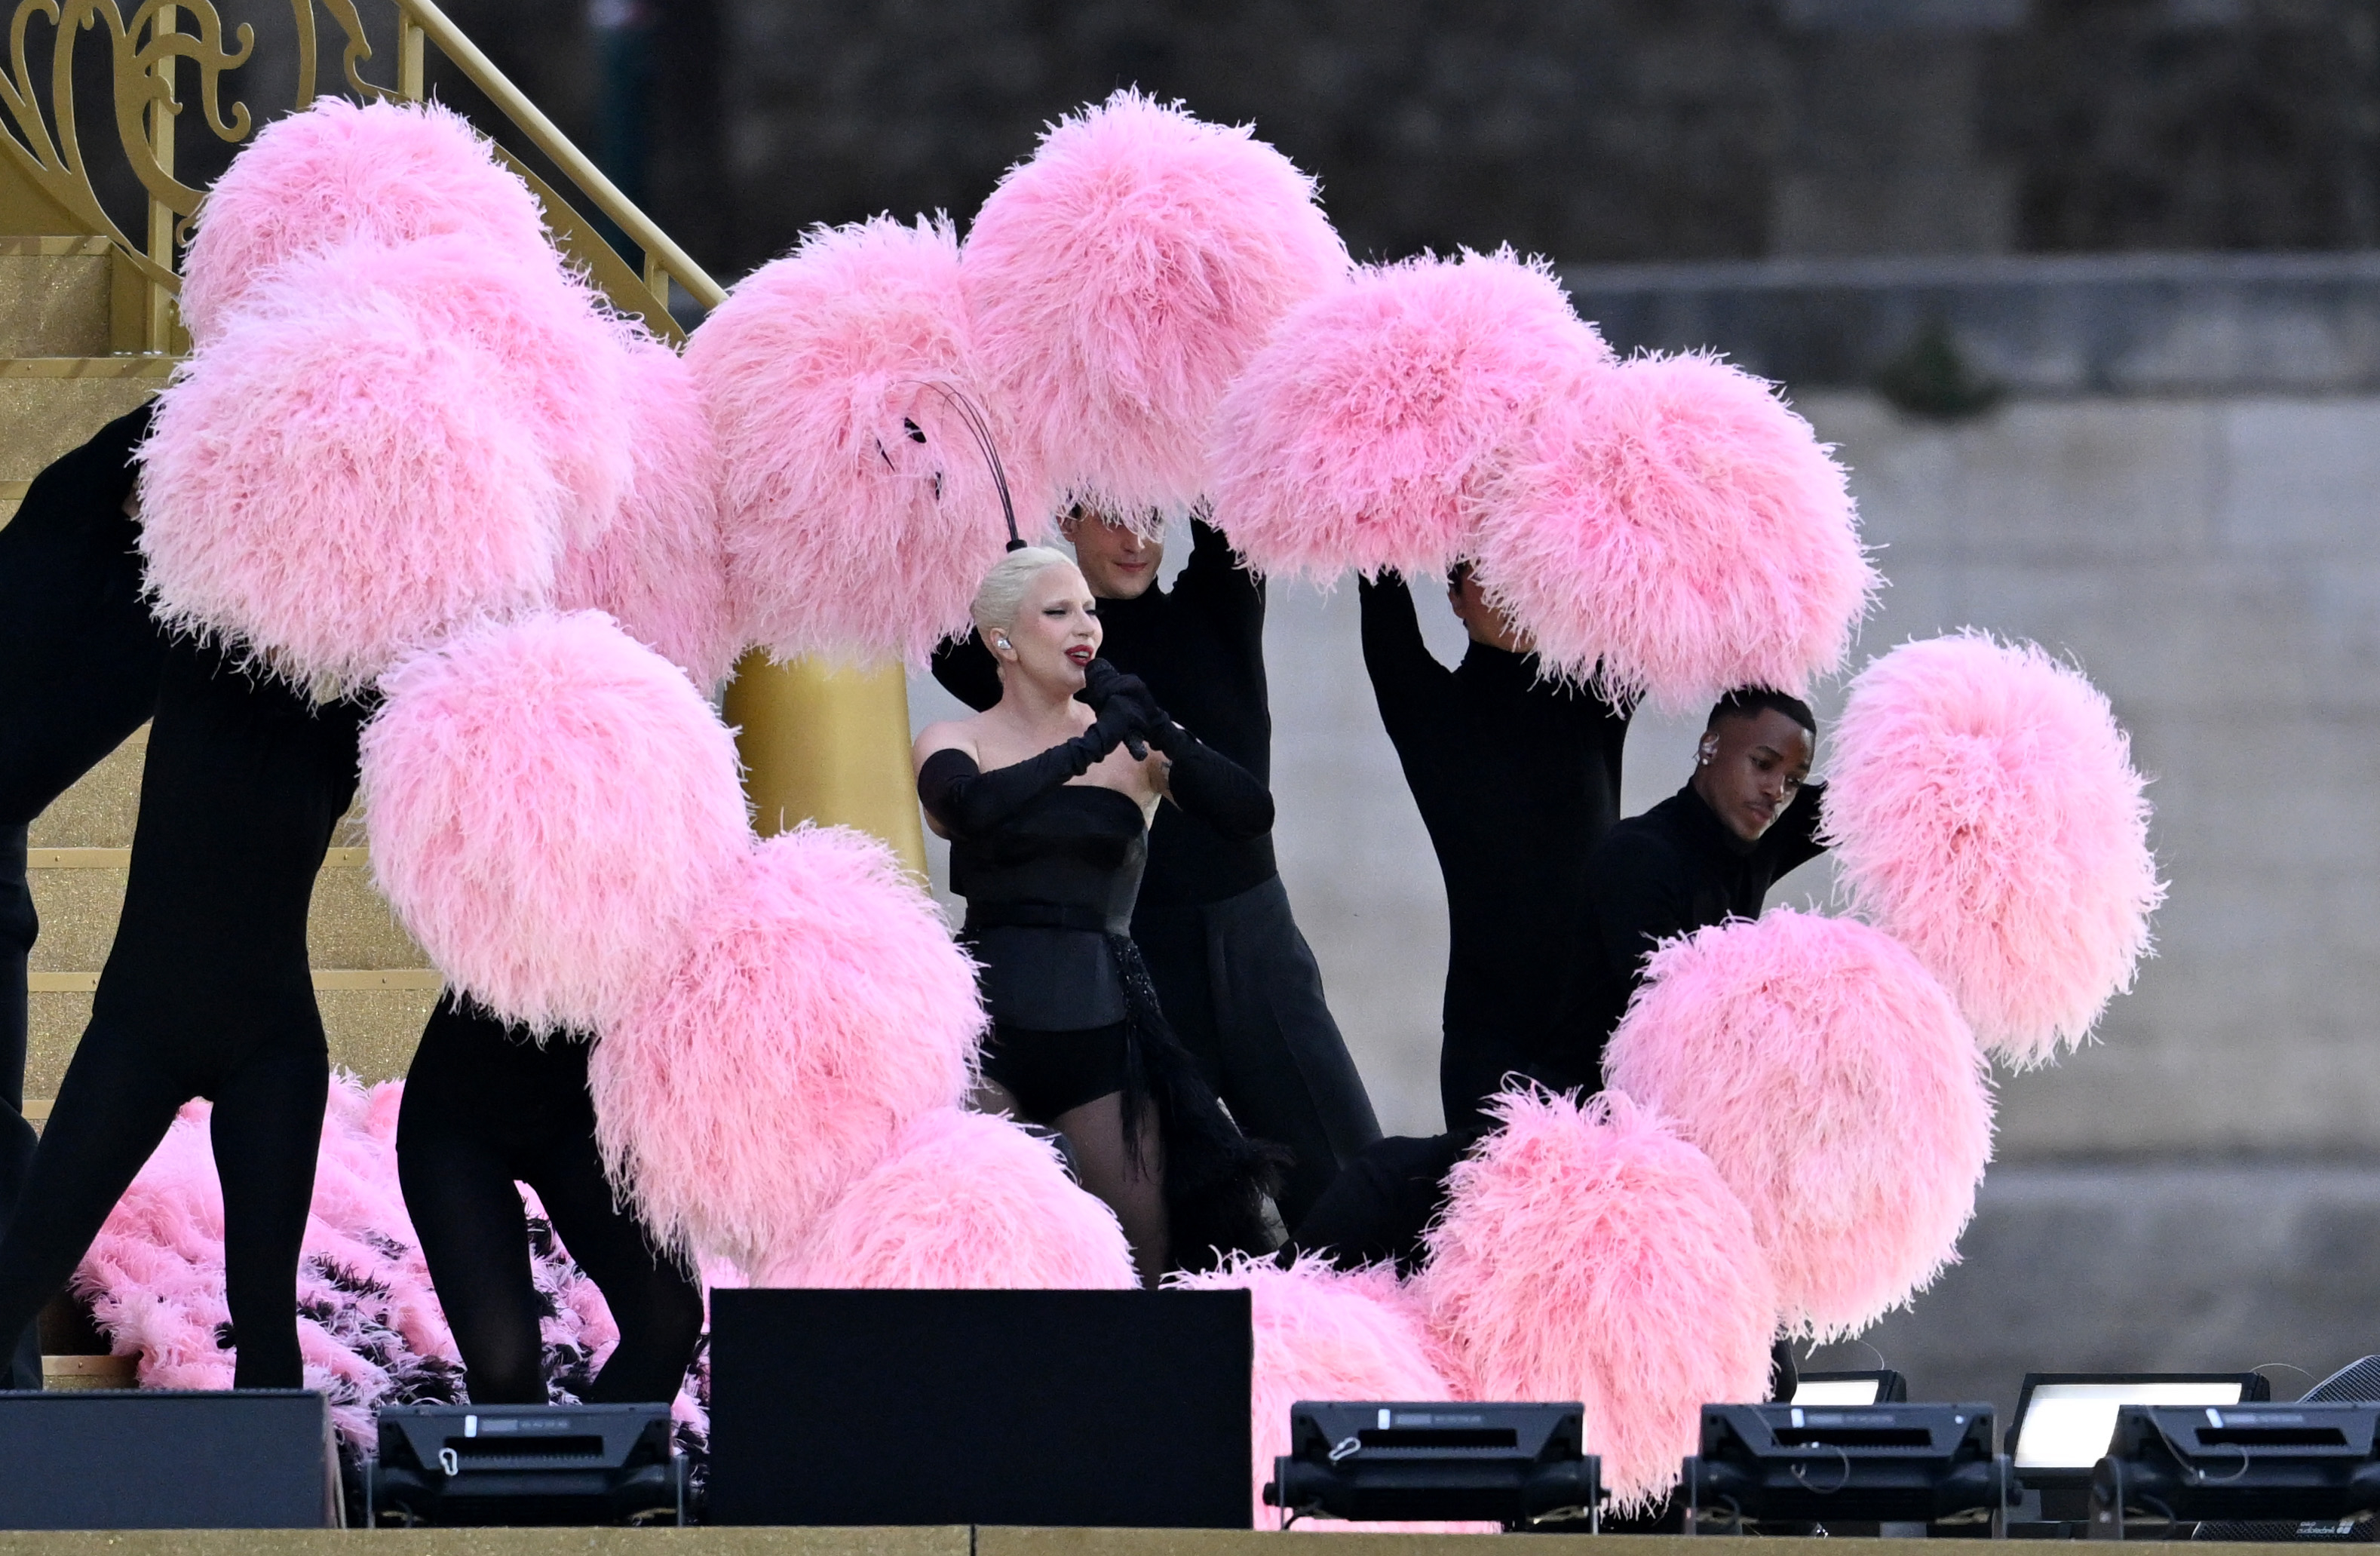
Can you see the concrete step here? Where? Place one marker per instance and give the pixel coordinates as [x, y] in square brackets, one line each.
[374, 986]
[55, 297]
[51, 405]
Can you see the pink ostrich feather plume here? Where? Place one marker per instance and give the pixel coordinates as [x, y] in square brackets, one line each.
[1588, 1253]
[342, 479]
[1121, 279]
[550, 803]
[1363, 434]
[1324, 1334]
[965, 1201]
[860, 513]
[1676, 531]
[661, 569]
[820, 1008]
[1985, 812]
[1837, 1090]
[556, 350]
[385, 171]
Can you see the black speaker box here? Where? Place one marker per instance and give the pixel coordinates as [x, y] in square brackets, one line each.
[1110, 1408]
[155, 1459]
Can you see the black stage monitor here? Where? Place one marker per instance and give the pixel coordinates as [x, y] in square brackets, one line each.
[1116, 1409]
[2064, 1420]
[162, 1459]
[1874, 1386]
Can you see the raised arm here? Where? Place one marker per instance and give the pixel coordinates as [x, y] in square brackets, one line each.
[1406, 679]
[1213, 584]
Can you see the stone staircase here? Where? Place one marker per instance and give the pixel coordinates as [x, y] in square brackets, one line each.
[64, 373]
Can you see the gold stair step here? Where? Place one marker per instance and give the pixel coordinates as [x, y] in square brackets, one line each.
[80, 894]
[334, 980]
[101, 808]
[89, 1372]
[50, 406]
[54, 298]
[372, 1020]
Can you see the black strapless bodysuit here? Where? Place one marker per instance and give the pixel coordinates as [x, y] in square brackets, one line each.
[1044, 892]
[1049, 875]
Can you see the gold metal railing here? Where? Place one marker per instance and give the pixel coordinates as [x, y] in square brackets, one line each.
[820, 743]
[45, 177]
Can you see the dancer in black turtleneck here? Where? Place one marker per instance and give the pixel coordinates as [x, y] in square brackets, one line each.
[1676, 868]
[1707, 854]
[1232, 974]
[1517, 780]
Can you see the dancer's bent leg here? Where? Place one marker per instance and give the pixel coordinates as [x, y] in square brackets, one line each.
[654, 1301]
[267, 1131]
[78, 663]
[245, 782]
[114, 1106]
[458, 1171]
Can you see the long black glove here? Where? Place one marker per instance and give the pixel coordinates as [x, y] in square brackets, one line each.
[969, 802]
[1124, 702]
[1204, 782]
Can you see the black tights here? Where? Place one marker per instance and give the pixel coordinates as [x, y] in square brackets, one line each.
[485, 1108]
[206, 993]
[78, 665]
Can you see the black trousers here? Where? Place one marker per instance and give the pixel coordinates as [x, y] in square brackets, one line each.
[485, 1108]
[1240, 989]
[80, 660]
[206, 993]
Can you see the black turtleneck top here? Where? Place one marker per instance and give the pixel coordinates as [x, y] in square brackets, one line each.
[1200, 646]
[1672, 870]
[1517, 780]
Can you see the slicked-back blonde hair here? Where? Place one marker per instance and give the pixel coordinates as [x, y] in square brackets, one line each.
[1002, 593]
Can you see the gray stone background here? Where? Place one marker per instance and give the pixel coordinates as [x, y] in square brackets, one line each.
[2114, 266]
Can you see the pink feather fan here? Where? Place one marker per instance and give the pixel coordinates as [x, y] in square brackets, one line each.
[965, 1201]
[1363, 432]
[549, 803]
[1324, 1334]
[343, 479]
[860, 512]
[385, 172]
[821, 1007]
[1588, 1253]
[660, 570]
[1123, 276]
[1985, 812]
[1676, 531]
[1837, 1090]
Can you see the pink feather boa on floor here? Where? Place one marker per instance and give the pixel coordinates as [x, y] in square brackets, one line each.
[369, 1323]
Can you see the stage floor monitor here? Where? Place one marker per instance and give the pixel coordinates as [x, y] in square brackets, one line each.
[1105, 1409]
[160, 1459]
[2064, 1419]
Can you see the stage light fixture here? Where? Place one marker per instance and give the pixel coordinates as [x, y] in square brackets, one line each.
[525, 1463]
[1774, 1465]
[1516, 1464]
[2174, 1465]
[2064, 1422]
[1873, 1386]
